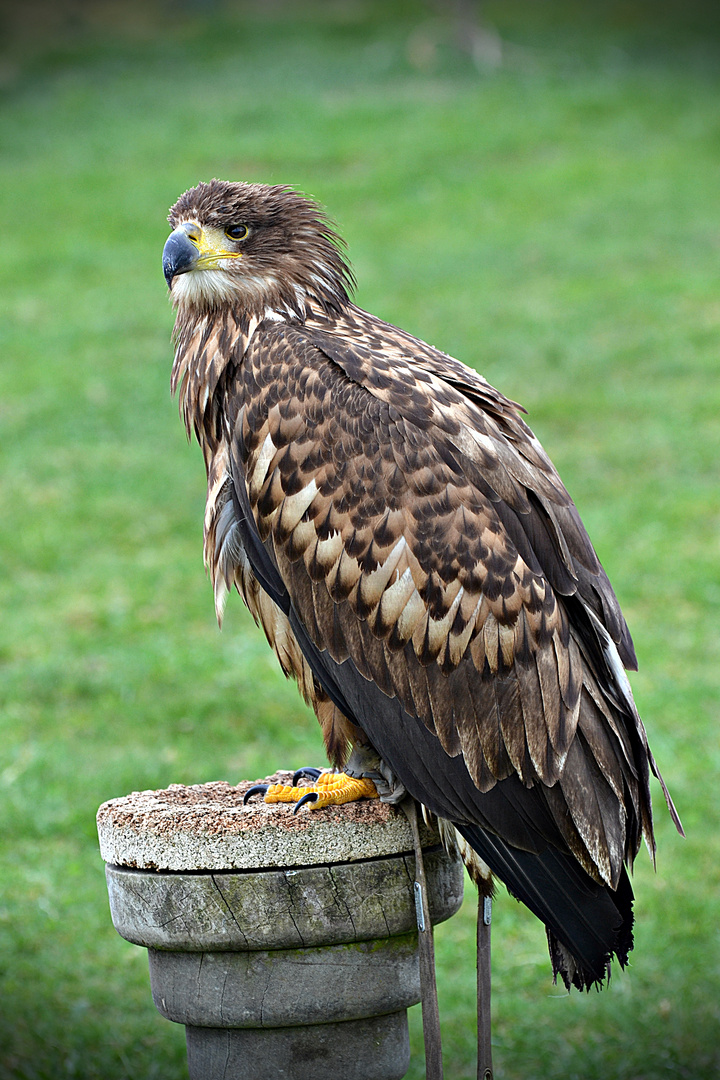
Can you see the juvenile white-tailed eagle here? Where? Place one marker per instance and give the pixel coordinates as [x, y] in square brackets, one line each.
[415, 562]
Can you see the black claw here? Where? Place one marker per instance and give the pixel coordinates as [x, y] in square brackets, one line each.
[307, 773]
[312, 796]
[256, 789]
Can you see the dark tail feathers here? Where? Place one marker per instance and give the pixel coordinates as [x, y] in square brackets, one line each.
[587, 923]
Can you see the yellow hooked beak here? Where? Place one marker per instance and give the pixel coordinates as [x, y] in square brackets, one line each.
[191, 247]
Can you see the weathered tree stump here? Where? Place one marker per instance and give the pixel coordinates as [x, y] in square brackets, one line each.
[281, 942]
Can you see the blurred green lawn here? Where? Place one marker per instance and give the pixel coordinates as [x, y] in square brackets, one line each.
[553, 220]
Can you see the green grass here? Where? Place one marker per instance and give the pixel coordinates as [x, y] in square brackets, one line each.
[554, 221]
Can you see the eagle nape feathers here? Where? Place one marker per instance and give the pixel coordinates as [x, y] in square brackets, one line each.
[415, 562]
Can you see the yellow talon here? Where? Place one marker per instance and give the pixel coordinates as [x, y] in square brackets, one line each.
[332, 789]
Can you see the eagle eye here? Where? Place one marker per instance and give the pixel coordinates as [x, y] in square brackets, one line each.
[236, 232]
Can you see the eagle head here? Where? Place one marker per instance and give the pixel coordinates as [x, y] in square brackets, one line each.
[261, 250]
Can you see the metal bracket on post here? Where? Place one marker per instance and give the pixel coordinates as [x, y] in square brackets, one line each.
[428, 985]
[484, 919]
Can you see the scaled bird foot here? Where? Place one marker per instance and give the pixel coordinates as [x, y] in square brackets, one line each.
[328, 789]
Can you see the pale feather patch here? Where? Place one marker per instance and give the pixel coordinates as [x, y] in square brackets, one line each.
[261, 467]
[410, 617]
[612, 658]
[490, 638]
[294, 506]
[468, 438]
[370, 587]
[343, 577]
[223, 550]
[458, 643]
[394, 599]
[218, 477]
[233, 561]
[506, 640]
[326, 552]
[302, 537]
[438, 629]
[205, 288]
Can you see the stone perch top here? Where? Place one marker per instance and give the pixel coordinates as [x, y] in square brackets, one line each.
[206, 827]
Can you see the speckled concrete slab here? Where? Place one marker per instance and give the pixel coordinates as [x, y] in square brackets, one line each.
[206, 827]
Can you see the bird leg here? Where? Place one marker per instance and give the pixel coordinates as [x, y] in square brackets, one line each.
[366, 762]
[328, 789]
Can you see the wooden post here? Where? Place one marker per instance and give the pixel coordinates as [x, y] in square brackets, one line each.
[278, 940]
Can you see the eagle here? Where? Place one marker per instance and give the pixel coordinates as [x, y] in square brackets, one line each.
[417, 566]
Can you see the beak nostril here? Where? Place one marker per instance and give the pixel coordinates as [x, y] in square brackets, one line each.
[193, 232]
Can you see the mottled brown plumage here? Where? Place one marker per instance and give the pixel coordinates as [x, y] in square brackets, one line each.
[414, 560]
